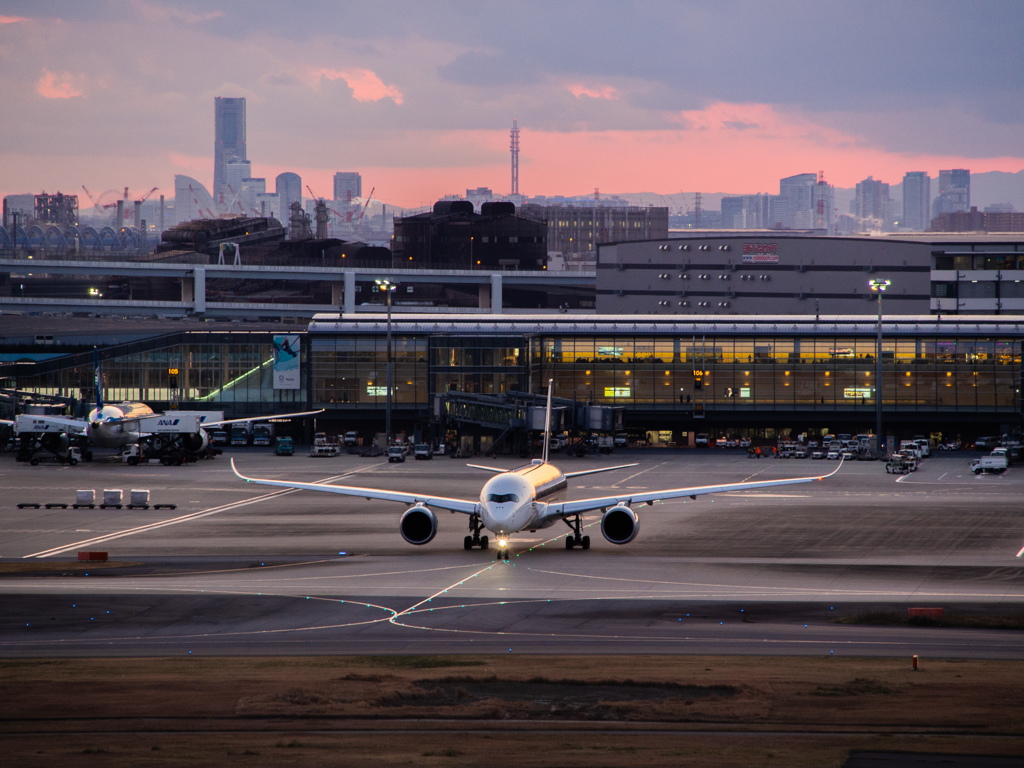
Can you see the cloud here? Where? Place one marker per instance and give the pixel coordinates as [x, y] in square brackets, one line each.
[60, 85]
[12, 19]
[599, 92]
[365, 84]
[159, 12]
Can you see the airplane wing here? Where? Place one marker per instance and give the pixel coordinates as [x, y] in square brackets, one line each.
[497, 470]
[208, 424]
[595, 471]
[438, 502]
[568, 508]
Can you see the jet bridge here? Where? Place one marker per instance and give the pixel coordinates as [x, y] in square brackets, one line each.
[511, 417]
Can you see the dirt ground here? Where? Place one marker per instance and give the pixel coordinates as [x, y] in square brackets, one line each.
[473, 710]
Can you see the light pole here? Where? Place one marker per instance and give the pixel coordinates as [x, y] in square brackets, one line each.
[388, 287]
[879, 286]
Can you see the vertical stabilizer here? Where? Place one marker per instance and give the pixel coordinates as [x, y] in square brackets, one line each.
[98, 379]
[547, 426]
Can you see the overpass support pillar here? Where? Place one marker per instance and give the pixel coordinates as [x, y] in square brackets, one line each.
[349, 278]
[490, 294]
[199, 290]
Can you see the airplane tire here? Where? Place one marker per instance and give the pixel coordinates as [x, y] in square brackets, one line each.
[467, 543]
[569, 543]
[484, 542]
[586, 542]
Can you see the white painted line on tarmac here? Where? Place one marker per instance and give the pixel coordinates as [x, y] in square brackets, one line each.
[154, 526]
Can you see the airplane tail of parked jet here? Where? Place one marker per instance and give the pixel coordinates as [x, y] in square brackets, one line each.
[98, 379]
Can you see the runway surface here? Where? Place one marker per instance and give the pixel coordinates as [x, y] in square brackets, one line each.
[240, 569]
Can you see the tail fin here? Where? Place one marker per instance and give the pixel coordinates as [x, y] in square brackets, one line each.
[547, 426]
[97, 377]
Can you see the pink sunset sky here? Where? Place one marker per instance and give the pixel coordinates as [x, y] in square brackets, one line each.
[627, 97]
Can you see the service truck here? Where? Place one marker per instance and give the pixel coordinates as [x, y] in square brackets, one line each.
[994, 464]
[263, 434]
[241, 433]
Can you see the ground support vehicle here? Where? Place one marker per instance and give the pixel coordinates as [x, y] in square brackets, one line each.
[263, 434]
[396, 453]
[70, 457]
[990, 464]
[241, 434]
[284, 447]
[900, 464]
[324, 450]
[422, 451]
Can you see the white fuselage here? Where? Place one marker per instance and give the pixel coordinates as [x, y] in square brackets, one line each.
[515, 501]
[115, 426]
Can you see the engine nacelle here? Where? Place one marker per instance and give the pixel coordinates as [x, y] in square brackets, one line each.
[197, 442]
[419, 525]
[620, 525]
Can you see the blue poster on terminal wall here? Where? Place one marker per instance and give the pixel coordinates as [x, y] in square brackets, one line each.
[286, 361]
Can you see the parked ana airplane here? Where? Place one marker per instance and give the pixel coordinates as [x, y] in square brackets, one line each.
[526, 499]
[180, 433]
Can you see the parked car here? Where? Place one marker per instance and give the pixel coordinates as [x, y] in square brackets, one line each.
[701, 439]
[744, 442]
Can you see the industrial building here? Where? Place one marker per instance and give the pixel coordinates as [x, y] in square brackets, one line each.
[779, 273]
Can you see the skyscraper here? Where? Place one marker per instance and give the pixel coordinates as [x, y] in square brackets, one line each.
[917, 199]
[954, 192]
[347, 185]
[229, 144]
[289, 190]
[872, 201]
[796, 206]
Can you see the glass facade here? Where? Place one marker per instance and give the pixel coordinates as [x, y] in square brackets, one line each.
[651, 375]
[766, 373]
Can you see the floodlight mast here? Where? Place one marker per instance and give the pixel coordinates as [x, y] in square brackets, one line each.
[388, 288]
[879, 286]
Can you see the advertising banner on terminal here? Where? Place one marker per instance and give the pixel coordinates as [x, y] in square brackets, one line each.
[286, 361]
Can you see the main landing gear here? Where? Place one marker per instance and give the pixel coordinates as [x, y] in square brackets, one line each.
[475, 539]
[576, 539]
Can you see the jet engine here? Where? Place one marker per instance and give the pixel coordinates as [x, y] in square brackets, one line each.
[419, 525]
[196, 442]
[620, 525]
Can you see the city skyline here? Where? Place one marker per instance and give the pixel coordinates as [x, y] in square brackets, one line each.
[655, 97]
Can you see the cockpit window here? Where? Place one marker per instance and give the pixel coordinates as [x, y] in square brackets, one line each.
[501, 498]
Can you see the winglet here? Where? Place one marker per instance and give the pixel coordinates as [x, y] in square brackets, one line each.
[235, 470]
[838, 467]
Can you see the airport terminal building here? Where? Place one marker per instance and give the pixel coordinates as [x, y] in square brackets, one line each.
[671, 375]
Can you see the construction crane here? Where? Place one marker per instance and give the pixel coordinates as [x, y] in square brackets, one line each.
[365, 206]
[145, 197]
[100, 207]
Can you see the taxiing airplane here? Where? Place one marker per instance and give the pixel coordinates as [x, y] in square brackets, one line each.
[176, 433]
[528, 498]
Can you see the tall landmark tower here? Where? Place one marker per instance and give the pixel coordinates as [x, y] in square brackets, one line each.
[514, 146]
[229, 145]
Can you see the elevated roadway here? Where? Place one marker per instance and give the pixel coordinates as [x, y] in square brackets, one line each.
[193, 279]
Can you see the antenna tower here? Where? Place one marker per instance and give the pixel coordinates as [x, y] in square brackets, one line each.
[697, 209]
[514, 146]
